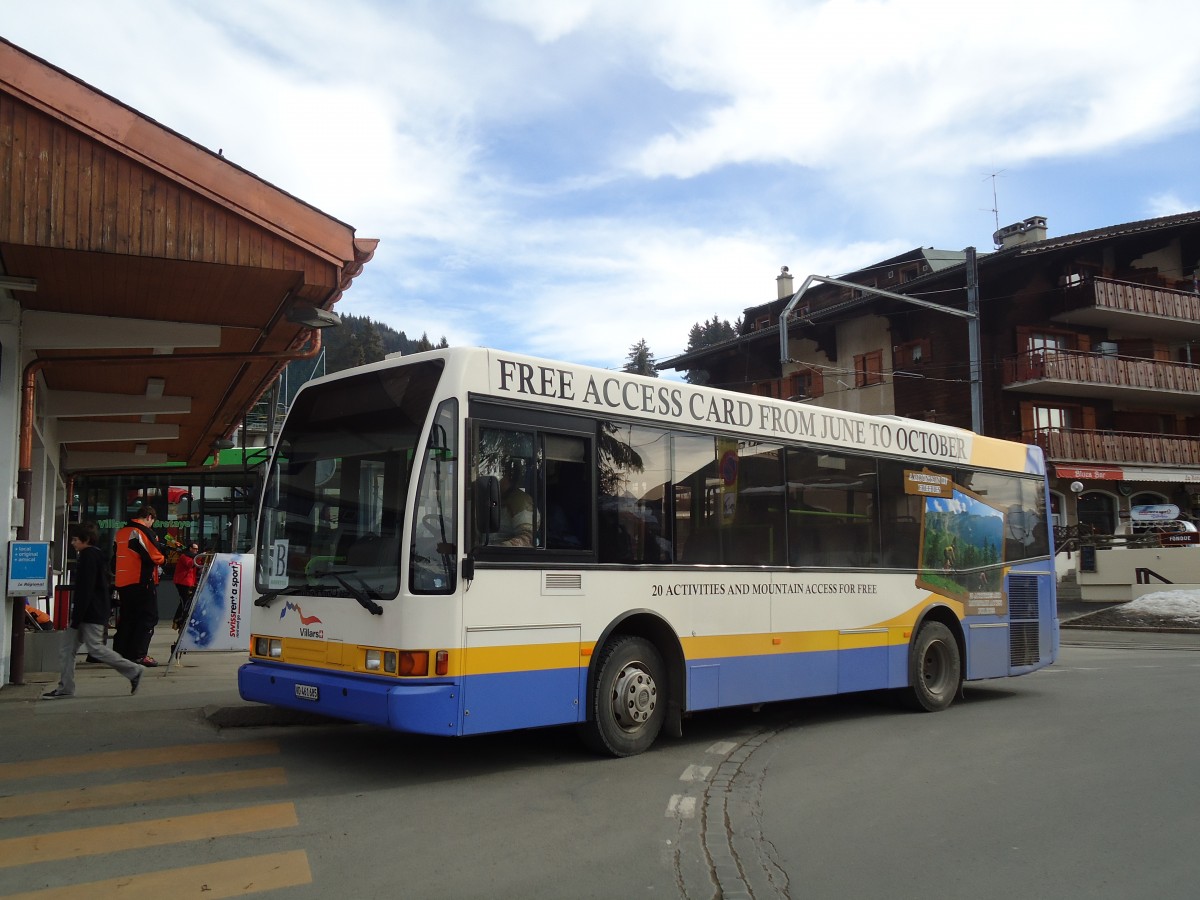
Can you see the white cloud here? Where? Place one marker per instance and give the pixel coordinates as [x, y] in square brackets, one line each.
[1168, 204]
[941, 86]
[567, 177]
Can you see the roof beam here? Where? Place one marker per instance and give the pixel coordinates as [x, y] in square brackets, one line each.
[96, 459]
[81, 404]
[67, 331]
[74, 431]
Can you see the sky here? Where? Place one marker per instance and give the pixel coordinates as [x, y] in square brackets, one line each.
[565, 178]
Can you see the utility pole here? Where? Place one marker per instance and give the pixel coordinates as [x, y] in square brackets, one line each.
[972, 266]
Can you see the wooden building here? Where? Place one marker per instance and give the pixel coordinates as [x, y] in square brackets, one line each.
[1089, 346]
[150, 292]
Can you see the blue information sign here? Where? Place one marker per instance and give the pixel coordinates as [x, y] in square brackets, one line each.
[29, 568]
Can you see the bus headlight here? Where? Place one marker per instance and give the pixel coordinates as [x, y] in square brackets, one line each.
[389, 662]
[374, 660]
[270, 647]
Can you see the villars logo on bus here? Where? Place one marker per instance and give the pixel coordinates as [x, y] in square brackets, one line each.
[304, 620]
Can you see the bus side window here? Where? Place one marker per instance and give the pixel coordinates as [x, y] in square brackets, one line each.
[633, 478]
[507, 456]
[568, 513]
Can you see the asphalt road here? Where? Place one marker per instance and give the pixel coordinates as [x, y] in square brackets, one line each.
[1075, 781]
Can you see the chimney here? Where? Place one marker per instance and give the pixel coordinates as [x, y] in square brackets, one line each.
[1030, 231]
[783, 283]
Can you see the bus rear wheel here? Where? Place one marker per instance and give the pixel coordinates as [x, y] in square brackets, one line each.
[934, 669]
[628, 701]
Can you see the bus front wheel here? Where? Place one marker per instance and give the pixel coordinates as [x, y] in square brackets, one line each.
[934, 668]
[628, 702]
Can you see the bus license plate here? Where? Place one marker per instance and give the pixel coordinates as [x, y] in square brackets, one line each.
[307, 692]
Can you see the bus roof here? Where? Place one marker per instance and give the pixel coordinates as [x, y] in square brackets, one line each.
[513, 377]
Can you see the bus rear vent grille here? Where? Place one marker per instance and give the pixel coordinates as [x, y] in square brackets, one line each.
[1023, 630]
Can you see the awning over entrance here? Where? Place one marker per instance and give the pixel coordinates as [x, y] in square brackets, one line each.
[160, 288]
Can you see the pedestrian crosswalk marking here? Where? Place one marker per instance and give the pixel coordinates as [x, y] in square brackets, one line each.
[109, 795]
[40, 848]
[137, 758]
[213, 881]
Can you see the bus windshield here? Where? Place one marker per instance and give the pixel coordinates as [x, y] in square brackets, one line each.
[333, 505]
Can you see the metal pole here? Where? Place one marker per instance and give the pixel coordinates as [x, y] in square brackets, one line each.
[972, 266]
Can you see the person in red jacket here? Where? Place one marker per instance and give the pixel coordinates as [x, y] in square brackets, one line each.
[186, 572]
[91, 597]
[139, 559]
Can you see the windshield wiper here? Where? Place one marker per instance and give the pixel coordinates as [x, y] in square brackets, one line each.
[359, 594]
[269, 597]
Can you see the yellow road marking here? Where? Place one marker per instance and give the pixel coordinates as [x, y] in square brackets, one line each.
[40, 848]
[134, 759]
[235, 878]
[130, 792]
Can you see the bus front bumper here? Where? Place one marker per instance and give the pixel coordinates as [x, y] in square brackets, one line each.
[416, 708]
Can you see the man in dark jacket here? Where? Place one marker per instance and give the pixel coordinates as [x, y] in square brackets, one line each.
[91, 600]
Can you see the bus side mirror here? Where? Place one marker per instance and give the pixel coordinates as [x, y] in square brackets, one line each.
[487, 504]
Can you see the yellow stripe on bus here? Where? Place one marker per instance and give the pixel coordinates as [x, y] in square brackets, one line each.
[522, 657]
[234, 878]
[100, 796]
[42, 848]
[541, 657]
[137, 758]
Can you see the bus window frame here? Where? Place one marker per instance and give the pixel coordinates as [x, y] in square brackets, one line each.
[538, 422]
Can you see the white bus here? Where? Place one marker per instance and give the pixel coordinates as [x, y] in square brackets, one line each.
[468, 541]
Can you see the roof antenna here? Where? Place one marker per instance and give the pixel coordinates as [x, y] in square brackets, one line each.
[995, 205]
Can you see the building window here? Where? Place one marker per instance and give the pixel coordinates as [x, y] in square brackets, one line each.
[1049, 341]
[868, 368]
[911, 353]
[804, 385]
[762, 322]
[1056, 417]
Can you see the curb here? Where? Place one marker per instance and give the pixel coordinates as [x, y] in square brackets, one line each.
[1136, 628]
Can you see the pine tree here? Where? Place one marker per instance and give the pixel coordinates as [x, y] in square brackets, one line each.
[640, 360]
[360, 340]
[372, 343]
[705, 334]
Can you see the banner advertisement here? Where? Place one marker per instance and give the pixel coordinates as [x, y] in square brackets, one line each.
[218, 618]
[29, 568]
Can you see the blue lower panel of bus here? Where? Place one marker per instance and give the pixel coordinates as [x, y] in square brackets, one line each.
[740, 680]
[483, 703]
[506, 700]
[417, 708]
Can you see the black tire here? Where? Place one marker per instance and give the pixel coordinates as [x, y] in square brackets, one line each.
[934, 669]
[628, 702]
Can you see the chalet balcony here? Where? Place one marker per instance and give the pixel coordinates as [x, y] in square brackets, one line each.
[1116, 447]
[1144, 309]
[1126, 379]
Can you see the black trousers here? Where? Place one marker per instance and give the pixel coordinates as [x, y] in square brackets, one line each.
[139, 615]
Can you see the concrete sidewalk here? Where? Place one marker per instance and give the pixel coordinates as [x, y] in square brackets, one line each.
[204, 681]
[197, 680]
